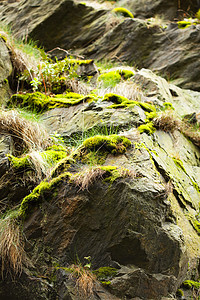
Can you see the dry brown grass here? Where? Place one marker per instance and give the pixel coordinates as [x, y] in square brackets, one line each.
[85, 281]
[192, 134]
[87, 177]
[127, 89]
[167, 122]
[26, 135]
[12, 252]
[24, 57]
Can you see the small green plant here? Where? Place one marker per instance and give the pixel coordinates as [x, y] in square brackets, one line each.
[35, 83]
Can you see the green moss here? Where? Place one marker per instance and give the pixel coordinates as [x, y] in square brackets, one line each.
[79, 61]
[168, 105]
[179, 164]
[43, 191]
[180, 293]
[122, 102]
[40, 103]
[126, 74]
[62, 166]
[150, 116]
[106, 283]
[147, 128]
[105, 272]
[147, 107]
[123, 11]
[19, 163]
[53, 156]
[114, 144]
[110, 79]
[117, 99]
[198, 14]
[189, 284]
[185, 24]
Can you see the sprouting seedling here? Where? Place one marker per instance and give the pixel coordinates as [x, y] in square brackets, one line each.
[88, 264]
[35, 83]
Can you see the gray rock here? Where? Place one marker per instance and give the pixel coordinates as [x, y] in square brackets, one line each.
[167, 9]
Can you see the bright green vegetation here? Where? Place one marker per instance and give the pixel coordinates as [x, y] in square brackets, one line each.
[187, 23]
[19, 163]
[179, 293]
[110, 79]
[168, 105]
[147, 128]
[94, 150]
[63, 165]
[53, 77]
[44, 190]
[191, 284]
[113, 143]
[122, 102]
[179, 164]
[105, 273]
[38, 102]
[123, 11]
[51, 156]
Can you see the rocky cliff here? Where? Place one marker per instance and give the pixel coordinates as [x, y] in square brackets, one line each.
[100, 159]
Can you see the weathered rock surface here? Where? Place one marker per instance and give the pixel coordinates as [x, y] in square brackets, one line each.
[173, 52]
[167, 9]
[5, 72]
[147, 225]
[65, 24]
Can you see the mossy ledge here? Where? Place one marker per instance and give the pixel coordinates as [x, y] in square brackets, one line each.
[43, 191]
[50, 157]
[122, 102]
[113, 77]
[39, 102]
[114, 144]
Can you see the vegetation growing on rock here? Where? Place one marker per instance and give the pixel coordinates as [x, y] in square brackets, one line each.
[123, 11]
[38, 102]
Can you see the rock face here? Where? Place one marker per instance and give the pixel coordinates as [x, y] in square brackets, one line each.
[126, 214]
[67, 25]
[172, 52]
[5, 72]
[97, 34]
[169, 9]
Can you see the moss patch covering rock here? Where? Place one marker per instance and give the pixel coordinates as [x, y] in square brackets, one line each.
[123, 102]
[43, 191]
[40, 103]
[123, 11]
[113, 143]
[50, 157]
[110, 79]
[147, 128]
